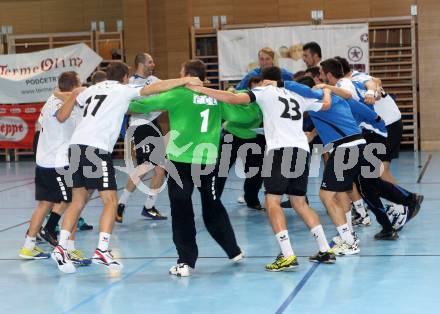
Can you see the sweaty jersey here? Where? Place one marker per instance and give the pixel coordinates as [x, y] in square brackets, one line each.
[105, 105]
[283, 116]
[195, 122]
[140, 81]
[53, 143]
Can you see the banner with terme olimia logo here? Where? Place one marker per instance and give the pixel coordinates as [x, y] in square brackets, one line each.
[32, 77]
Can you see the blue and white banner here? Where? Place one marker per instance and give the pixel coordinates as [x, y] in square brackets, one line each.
[32, 77]
[238, 48]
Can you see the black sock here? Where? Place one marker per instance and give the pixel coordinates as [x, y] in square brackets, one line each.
[52, 222]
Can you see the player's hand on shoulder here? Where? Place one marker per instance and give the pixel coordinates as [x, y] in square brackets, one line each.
[195, 81]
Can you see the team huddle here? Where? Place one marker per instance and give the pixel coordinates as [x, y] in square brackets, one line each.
[271, 120]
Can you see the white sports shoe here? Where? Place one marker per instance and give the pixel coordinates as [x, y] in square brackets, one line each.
[346, 249]
[238, 258]
[62, 258]
[241, 200]
[180, 270]
[338, 240]
[106, 258]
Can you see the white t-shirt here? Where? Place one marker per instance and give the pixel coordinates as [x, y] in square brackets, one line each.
[53, 143]
[283, 116]
[141, 119]
[386, 107]
[105, 105]
[347, 84]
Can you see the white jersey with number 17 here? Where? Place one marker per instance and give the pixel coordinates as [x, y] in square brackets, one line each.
[104, 107]
[283, 116]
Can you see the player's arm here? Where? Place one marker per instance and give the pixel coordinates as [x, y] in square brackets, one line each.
[160, 102]
[326, 99]
[66, 109]
[244, 82]
[61, 95]
[372, 91]
[223, 96]
[165, 85]
[341, 92]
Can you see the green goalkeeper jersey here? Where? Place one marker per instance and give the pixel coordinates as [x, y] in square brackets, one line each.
[195, 122]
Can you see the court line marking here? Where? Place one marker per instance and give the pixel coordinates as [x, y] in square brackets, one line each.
[297, 289]
[422, 173]
[15, 226]
[16, 186]
[248, 257]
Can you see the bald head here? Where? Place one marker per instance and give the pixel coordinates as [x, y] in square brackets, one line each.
[144, 64]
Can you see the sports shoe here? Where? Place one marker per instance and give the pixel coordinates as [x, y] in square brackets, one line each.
[257, 207]
[346, 249]
[106, 258]
[36, 253]
[358, 220]
[120, 213]
[323, 257]
[338, 240]
[153, 213]
[62, 258]
[78, 258]
[281, 263]
[241, 200]
[238, 258]
[82, 225]
[180, 270]
[50, 238]
[387, 235]
[414, 208]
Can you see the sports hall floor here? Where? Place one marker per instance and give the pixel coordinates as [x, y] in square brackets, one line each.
[388, 277]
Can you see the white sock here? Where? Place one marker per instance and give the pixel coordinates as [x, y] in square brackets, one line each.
[360, 207]
[124, 197]
[284, 242]
[70, 245]
[64, 236]
[104, 240]
[151, 200]
[29, 242]
[318, 233]
[345, 233]
[349, 222]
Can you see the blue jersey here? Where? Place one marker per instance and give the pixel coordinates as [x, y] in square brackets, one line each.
[367, 118]
[286, 76]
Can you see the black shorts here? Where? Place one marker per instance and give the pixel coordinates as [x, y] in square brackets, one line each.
[91, 168]
[290, 177]
[395, 131]
[50, 185]
[374, 138]
[149, 144]
[335, 177]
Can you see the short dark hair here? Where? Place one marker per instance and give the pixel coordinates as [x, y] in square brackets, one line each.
[140, 58]
[314, 48]
[98, 76]
[195, 67]
[314, 71]
[298, 75]
[345, 64]
[332, 66]
[306, 80]
[272, 73]
[116, 71]
[253, 80]
[67, 81]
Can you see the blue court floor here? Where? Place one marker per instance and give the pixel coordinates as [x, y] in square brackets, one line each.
[387, 277]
